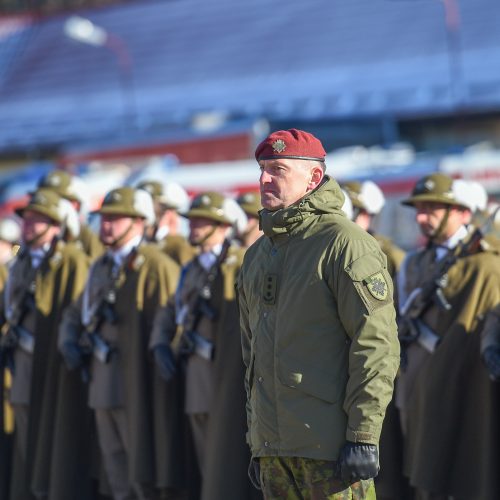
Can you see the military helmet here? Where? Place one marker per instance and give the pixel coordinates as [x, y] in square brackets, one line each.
[437, 188]
[471, 194]
[128, 202]
[347, 206]
[365, 196]
[71, 218]
[64, 184]
[45, 202]
[236, 215]
[210, 205]
[170, 194]
[250, 203]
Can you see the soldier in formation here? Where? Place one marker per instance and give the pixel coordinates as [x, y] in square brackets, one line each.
[10, 237]
[73, 189]
[208, 350]
[446, 395]
[170, 200]
[107, 333]
[44, 278]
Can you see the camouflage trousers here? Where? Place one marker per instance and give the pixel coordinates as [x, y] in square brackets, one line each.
[296, 478]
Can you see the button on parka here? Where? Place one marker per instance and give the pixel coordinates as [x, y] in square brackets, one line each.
[319, 335]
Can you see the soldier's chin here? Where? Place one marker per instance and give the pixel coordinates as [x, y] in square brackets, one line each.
[427, 232]
[106, 240]
[194, 241]
[270, 202]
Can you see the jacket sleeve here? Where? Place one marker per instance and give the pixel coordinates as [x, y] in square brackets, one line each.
[164, 326]
[366, 310]
[246, 336]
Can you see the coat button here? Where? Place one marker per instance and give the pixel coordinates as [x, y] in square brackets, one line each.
[265, 315]
[260, 379]
[266, 444]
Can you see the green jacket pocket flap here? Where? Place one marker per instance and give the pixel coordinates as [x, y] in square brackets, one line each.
[365, 266]
[314, 383]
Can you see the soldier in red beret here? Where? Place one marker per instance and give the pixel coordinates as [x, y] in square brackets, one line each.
[319, 333]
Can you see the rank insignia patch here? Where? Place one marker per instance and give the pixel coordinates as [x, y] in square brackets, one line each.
[279, 145]
[377, 286]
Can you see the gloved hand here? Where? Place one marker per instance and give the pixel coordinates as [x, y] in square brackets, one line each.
[254, 473]
[72, 354]
[357, 461]
[491, 359]
[165, 361]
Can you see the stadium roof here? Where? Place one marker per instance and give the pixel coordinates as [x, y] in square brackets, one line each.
[261, 58]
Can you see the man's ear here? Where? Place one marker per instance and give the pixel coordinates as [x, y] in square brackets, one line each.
[317, 175]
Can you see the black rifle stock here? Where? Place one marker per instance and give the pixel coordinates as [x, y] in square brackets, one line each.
[191, 341]
[90, 342]
[14, 335]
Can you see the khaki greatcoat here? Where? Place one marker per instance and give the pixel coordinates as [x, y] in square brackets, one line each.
[450, 407]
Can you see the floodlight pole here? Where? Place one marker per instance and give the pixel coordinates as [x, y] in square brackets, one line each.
[85, 31]
[454, 45]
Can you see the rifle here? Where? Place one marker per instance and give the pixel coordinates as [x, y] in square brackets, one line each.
[412, 328]
[13, 333]
[490, 345]
[90, 342]
[191, 341]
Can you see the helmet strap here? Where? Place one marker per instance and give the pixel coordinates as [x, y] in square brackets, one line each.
[124, 234]
[444, 221]
[37, 237]
[205, 238]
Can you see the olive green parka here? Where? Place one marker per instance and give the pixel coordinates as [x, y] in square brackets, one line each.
[319, 334]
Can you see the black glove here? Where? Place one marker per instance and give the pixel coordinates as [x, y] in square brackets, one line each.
[357, 461]
[254, 473]
[491, 359]
[72, 354]
[165, 361]
[8, 344]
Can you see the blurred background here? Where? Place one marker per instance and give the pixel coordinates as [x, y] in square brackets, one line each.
[120, 91]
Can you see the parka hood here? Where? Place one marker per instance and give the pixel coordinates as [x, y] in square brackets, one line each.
[327, 198]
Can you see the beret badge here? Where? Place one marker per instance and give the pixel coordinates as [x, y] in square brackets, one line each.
[279, 145]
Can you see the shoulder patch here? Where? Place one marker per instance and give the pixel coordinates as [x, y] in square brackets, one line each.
[377, 286]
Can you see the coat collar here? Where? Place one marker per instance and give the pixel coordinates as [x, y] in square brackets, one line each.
[326, 198]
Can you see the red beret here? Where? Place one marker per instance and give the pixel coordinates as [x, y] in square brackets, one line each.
[293, 143]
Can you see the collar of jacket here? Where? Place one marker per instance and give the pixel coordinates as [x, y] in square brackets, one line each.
[326, 198]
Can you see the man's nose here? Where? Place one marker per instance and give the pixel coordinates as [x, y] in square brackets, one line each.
[421, 216]
[265, 177]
